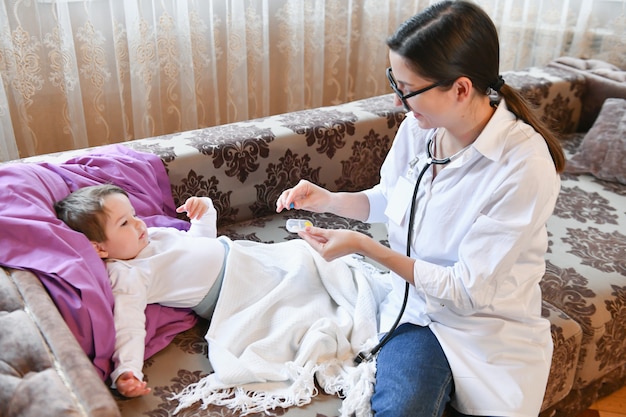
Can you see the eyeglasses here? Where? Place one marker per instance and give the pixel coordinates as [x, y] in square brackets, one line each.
[405, 97]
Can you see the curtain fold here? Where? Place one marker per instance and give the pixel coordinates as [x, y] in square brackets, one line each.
[79, 73]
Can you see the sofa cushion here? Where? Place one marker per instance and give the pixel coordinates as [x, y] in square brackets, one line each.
[603, 150]
[586, 272]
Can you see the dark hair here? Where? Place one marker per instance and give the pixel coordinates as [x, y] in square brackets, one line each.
[451, 39]
[84, 211]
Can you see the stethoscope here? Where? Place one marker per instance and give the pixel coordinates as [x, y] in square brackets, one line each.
[430, 160]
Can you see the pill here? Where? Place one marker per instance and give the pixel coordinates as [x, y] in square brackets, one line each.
[297, 225]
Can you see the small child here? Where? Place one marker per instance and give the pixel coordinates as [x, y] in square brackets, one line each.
[147, 265]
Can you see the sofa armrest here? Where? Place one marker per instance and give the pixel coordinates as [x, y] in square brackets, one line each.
[603, 81]
[43, 370]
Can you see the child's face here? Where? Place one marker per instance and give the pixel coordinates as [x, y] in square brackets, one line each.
[126, 234]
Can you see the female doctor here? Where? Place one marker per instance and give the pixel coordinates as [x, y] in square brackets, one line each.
[465, 191]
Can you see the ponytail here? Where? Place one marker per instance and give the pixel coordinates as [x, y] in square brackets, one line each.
[519, 106]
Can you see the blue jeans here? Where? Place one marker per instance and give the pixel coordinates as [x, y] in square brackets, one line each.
[413, 377]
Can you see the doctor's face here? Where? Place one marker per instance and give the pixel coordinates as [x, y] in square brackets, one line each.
[420, 96]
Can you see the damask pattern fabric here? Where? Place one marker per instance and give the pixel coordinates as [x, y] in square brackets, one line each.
[586, 272]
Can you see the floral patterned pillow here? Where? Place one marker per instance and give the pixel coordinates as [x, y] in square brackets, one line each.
[603, 149]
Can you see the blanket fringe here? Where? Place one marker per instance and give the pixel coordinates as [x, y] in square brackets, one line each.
[354, 385]
[248, 401]
[358, 400]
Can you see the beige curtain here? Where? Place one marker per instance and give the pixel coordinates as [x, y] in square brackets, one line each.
[79, 73]
[533, 32]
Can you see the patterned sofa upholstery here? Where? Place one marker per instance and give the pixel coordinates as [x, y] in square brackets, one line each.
[244, 166]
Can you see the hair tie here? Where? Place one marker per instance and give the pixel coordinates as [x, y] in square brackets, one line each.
[498, 84]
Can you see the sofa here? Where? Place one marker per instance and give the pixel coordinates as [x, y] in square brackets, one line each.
[244, 166]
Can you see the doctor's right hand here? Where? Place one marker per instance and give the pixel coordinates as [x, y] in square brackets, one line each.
[304, 196]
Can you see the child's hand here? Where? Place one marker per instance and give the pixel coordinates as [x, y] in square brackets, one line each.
[195, 207]
[129, 386]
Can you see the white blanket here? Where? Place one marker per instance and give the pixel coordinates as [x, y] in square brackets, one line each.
[285, 319]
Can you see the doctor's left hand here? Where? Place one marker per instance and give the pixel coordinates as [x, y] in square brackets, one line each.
[332, 243]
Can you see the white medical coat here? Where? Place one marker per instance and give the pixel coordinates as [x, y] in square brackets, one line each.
[479, 242]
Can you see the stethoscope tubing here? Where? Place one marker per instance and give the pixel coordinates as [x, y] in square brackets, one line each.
[430, 161]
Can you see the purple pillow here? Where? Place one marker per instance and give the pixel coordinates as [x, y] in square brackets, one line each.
[32, 238]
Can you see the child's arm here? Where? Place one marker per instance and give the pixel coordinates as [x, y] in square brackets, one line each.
[129, 318]
[202, 214]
